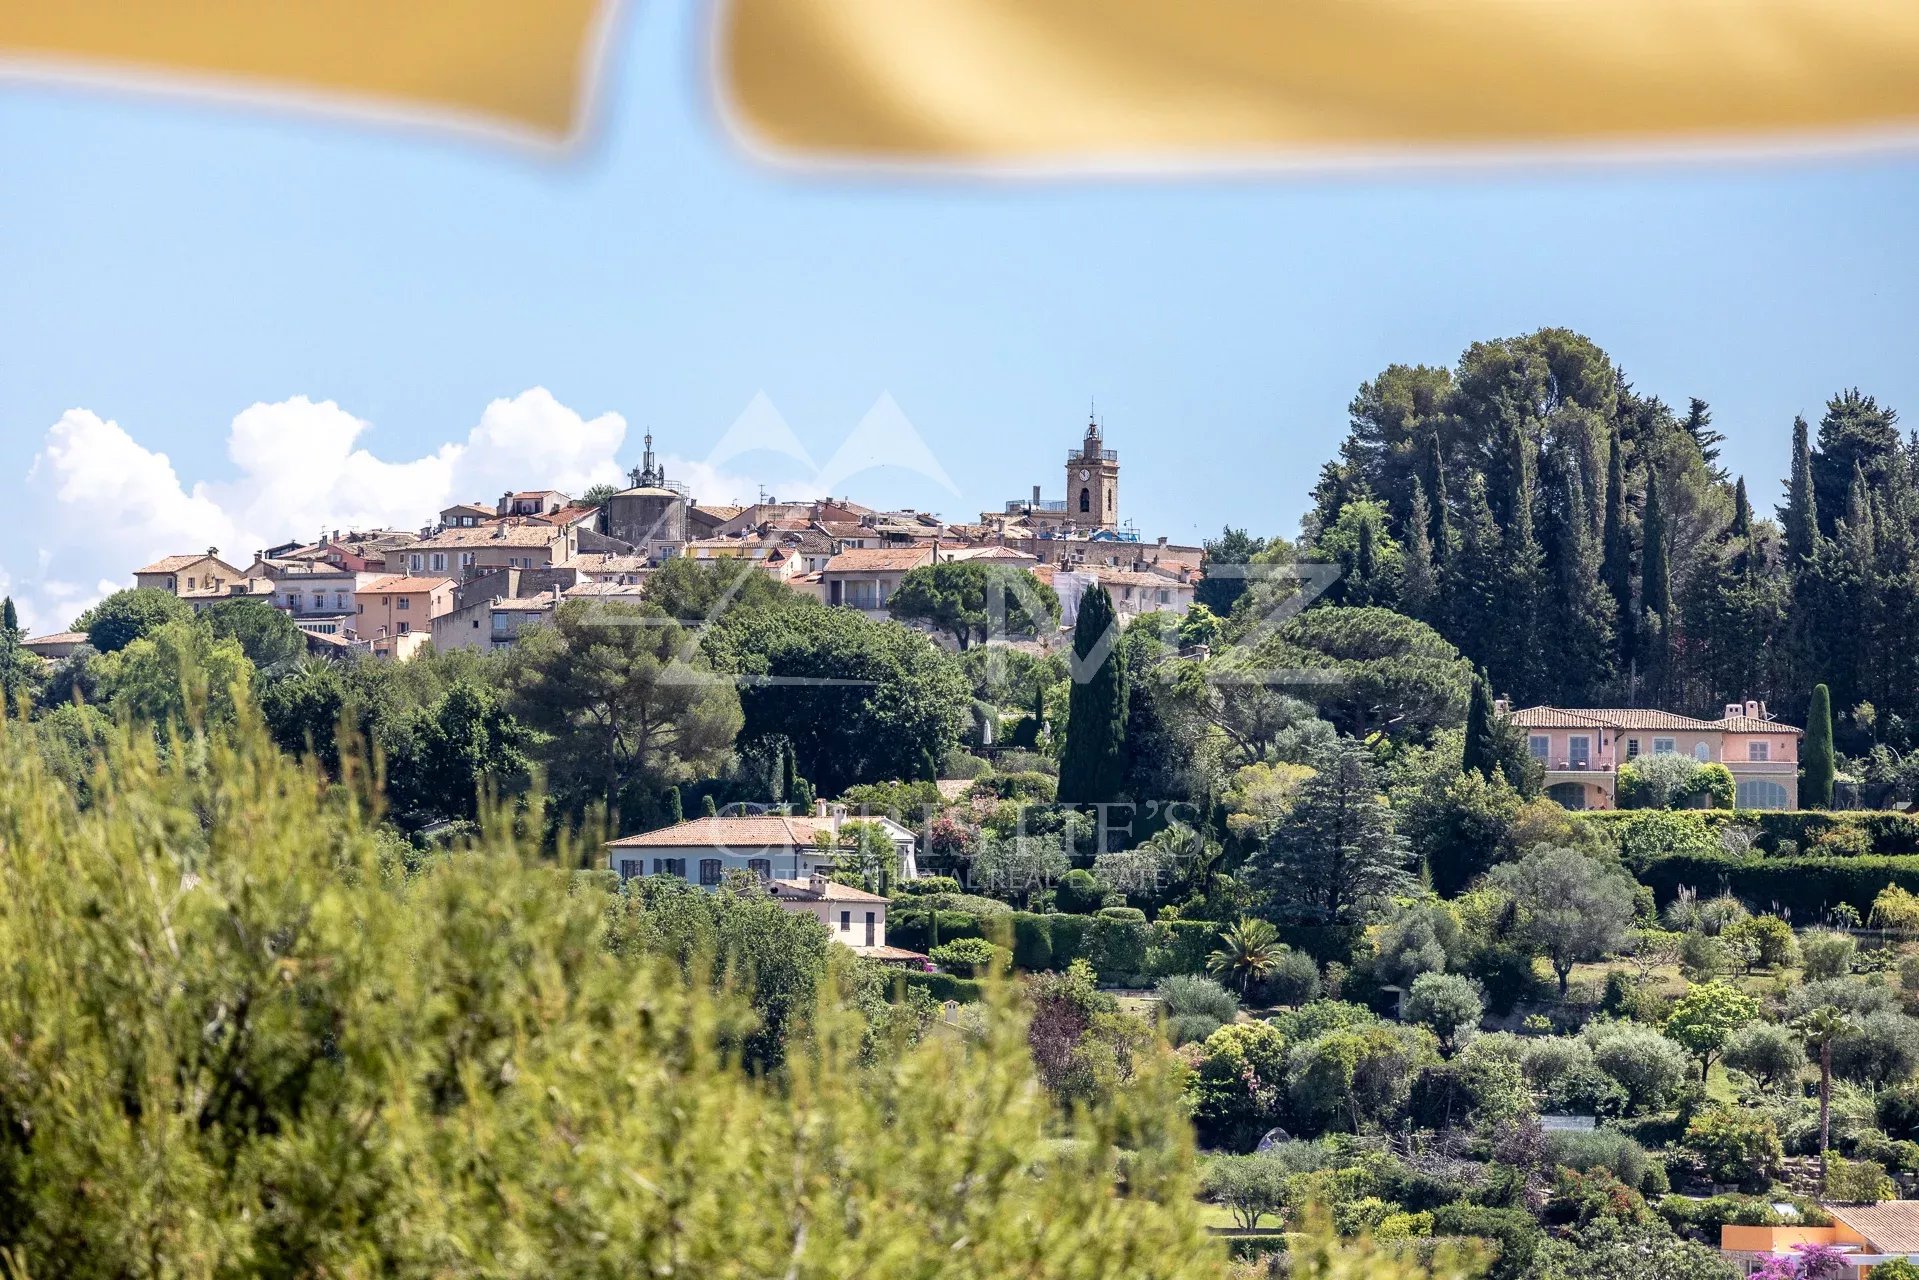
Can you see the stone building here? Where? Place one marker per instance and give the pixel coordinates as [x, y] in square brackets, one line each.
[651, 516]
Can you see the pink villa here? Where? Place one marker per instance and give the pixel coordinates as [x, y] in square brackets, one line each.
[1583, 749]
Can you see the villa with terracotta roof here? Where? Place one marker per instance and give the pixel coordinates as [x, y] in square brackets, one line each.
[771, 846]
[1863, 1235]
[1582, 750]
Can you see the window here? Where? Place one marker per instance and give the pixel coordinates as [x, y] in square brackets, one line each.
[869, 928]
[1567, 795]
[1663, 746]
[466, 558]
[1579, 750]
[846, 922]
[709, 871]
[339, 599]
[1085, 499]
[1760, 793]
[670, 867]
[405, 627]
[417, 561]
[403, 604]
[761, 867]
[629, 867]
[499, 622]
[439, 560]
[1109, 511]
[189, 584]
[1632, 748]
[1758, 751]
[1702, 753]
[1539, 746]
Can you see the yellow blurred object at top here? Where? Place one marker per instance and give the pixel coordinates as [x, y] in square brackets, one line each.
[1240, 81]
[518, 66]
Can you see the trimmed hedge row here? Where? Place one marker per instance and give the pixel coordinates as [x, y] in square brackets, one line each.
[1117, 945]
[944, 986]
[1808, 887]
[1884, 832]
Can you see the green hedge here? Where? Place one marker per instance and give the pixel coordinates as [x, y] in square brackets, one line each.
[1122, 945]
[1634, 829]
[1251, 1248]
[913, 929]
[1809, 887]
[944, 986]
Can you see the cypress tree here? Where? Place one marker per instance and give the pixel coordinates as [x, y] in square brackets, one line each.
[675, 811]
[1039, 707]
[1093, 765]
[1741, 511]
[1616, 566]
[789, 772]
[1818, 768]
[707, 806]
[1802, 505]
[1655, 591]
[9, 618]
[1439, 523]
[1417, 585]
[1481, 754]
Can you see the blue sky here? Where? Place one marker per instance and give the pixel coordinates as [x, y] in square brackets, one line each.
[165, 265]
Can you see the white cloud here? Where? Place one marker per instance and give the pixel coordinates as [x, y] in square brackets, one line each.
[108, 504]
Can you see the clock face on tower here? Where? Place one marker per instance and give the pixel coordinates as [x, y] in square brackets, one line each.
[1084, 474]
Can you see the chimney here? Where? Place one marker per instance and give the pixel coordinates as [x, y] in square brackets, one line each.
[1502, 706]
[1757, 710]
[1036, 495]
[1734, 710]
[819, 808]
[213, 551]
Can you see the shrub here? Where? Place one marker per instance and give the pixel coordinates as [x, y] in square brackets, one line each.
[1293, 979]
[1735, 1146]
[1826, 953]
[944, 986]
[1191, 1028]
[1857, 1182]
[1881, 1047]
[1604, 1149]
[1181, 946]
[1702, 957]
[1032, 942]
[1766, 1051]
[926, 886]
[1897, 1110]
[1771, 939]
[1189, 993]
[1117, 942]
[1647, 1065]
[1663, 781]
[969, 957]
[1447, 1003]
[1712, 783]
[1078, 892]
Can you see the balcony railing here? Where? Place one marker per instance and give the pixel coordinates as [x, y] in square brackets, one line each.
[1105, 455]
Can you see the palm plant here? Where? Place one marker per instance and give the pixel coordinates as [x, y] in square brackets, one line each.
[1248, 949]
[1819, 1028]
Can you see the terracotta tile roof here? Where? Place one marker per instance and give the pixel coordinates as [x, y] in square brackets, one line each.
[58, 637]
[879, 559]
[1611, 718]
[1891, 1226]
[394, 584]
[760, 831]
[827, 891]
[717, 510]
[842, 529]
[172, 564]
[622, 589]
[1748, 724]
[889, 953]
[1129, 577]
[497, 535]
[609, 562]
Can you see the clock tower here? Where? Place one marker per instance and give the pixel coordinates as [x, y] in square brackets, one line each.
[1092, 483]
